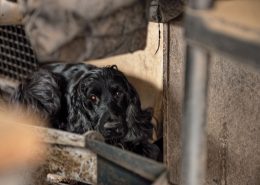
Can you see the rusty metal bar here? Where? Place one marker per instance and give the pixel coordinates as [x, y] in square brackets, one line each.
[194, 127]
[144, 167]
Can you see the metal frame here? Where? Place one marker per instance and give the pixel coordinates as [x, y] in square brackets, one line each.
[194, 122]
[194, 126]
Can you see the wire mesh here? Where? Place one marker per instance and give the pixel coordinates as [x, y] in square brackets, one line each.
[17, 58]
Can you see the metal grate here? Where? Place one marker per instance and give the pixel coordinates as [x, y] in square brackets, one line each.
[17, 59]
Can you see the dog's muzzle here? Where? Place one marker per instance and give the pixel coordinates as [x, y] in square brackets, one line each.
[110, 126]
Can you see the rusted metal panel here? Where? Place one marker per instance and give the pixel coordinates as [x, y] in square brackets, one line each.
[117, 166]
[146, 168]
[116, 175]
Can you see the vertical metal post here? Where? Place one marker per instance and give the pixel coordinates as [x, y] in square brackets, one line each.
[194, 127]
[195, 101]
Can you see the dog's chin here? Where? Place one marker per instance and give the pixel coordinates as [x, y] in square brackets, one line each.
[113, 137]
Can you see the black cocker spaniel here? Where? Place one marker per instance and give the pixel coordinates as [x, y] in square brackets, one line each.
[80, 97]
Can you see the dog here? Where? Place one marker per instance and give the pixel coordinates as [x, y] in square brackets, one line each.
[80, 97]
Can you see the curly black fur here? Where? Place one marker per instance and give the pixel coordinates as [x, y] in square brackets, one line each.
[79, 97]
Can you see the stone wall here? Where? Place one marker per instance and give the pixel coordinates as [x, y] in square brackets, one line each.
[233, 115]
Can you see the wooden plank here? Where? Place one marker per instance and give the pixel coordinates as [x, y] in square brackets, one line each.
[173, 95]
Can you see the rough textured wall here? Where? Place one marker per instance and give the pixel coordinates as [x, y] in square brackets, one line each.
[233, 116]
[144, 70]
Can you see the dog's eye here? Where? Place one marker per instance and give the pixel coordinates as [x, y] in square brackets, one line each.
[93, 98]
[117, 94]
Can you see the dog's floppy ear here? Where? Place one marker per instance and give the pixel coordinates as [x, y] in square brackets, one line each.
[138, 120]
[140, 127]
[79, 118]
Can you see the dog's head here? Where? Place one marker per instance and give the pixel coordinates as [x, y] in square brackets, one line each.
[104, 100]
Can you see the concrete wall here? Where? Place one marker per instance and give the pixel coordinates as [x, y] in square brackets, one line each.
[233, 116]
[144, 70]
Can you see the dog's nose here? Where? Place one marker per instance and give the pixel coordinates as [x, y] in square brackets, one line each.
[113, 128]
